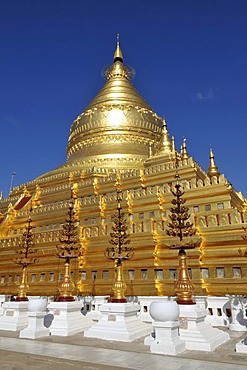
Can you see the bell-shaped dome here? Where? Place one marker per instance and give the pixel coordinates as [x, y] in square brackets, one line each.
[117, 127]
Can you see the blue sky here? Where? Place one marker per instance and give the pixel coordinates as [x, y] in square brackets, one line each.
[190, 59]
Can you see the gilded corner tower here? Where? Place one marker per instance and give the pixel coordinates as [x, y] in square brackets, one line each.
[119, 136]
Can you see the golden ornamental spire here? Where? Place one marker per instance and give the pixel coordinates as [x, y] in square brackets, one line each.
[180, 227]
[119, 251]
[118, 69]
[25, 259]
[117, 107]
[173, 145]
[212, 169]
[118, 53]
[69, 248]
[184, 153]
[166, 145]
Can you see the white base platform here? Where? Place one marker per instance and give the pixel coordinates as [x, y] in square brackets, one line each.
[241, 347]
[196, 333]
[14, 317]
[166, 340]
[68, 319]
[237, 327]
[119, 322]
[35, 327]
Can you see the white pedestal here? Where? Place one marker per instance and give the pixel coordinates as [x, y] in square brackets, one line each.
[237, 327]
[241, 347]
[145, 303]
[35, 327]
[14, 317]
[68, 318]
[119, 322]
[196, 333]
[166, 340]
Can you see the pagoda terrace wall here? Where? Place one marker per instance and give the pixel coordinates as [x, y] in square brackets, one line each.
[216, 268]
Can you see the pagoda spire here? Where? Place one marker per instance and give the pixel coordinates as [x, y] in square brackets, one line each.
[173, 145]
[184, 153]
[212, 169]
[166, 145]
[118, 53]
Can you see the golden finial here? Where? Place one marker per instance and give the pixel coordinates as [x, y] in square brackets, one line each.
[184, 153]
[212, 169]
[118, 53]
[173, 145]
[166, 145]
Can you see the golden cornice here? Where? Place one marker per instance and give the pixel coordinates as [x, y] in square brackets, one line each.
[113, 140]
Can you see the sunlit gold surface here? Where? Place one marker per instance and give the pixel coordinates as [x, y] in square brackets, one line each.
[184, 288]
[67, 287]
[117, 127]
[119, 286]
[23, 287]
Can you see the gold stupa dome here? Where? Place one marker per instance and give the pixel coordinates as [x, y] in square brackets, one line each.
[117, 127]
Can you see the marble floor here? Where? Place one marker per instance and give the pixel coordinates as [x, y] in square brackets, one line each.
[103, 354]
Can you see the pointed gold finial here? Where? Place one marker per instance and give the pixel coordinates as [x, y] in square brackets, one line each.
[173, 145]
[166, 145]
[184, 153]
[212, 169]
[118, 56]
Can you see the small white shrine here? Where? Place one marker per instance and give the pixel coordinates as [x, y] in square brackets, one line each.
[119, 322]
[36, 316]
[165, 340]
[15, 316]
[68, 319]
[197, 334]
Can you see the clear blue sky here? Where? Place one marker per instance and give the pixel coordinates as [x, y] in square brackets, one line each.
[190, 59]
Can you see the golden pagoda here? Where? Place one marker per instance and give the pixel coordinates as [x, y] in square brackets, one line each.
[120, 136]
